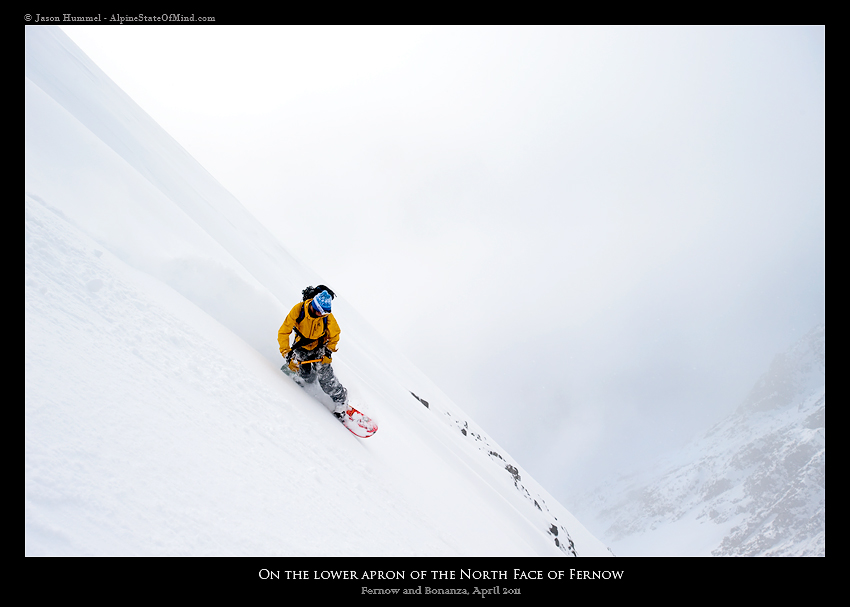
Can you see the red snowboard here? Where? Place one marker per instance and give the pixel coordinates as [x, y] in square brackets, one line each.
[358, 424]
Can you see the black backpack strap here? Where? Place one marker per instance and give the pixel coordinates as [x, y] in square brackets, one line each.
[301, 340]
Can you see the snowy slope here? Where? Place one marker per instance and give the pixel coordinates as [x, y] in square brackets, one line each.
[753, 485]
[157, 421]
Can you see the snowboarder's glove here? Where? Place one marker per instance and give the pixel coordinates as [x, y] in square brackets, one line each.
[286, 353]
[293, 365]
[326, 359]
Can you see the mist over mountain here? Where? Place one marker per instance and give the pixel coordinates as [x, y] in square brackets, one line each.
[157, 421]
[752, 485]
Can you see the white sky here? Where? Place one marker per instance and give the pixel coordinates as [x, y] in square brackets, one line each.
[594, 239]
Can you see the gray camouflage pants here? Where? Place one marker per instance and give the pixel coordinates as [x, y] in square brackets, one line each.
[308, 373]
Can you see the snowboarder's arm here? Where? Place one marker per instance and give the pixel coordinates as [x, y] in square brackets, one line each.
[333, 333]
[286, 329]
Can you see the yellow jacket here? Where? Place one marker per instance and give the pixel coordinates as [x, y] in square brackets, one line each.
[311, 327]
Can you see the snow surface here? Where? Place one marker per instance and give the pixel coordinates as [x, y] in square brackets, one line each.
[157, 421]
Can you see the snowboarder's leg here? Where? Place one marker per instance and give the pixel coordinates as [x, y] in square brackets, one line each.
[331, 386]
[306, 372]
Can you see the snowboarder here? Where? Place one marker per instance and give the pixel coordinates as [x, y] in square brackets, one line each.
[316, 339]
